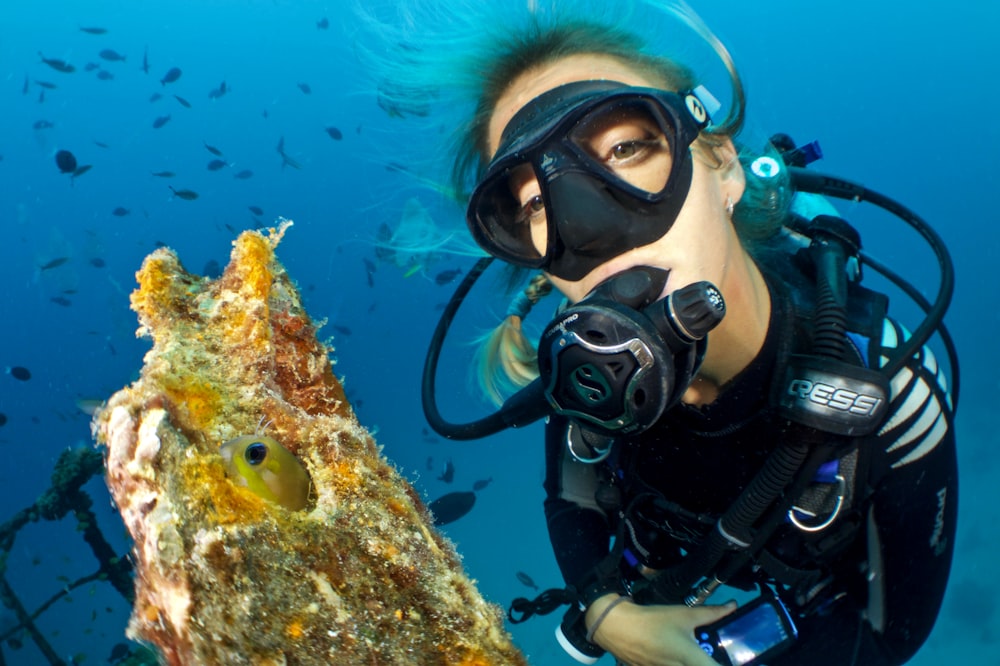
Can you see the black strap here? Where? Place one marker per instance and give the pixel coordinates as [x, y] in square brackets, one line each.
[522, 608]
[603, 579]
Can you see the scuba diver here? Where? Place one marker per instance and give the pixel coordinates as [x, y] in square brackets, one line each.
[725, 403]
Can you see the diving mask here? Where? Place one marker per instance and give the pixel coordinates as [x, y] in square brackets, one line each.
[596, 167]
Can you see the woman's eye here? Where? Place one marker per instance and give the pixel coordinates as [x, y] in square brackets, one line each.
[624, 150]
[531, 208]
[628, 150]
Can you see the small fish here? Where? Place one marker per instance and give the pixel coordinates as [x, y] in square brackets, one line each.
[243, 175]
[383, 243]
[212, 269]
[80, 170]
[120, 212]
[163, 174]
[172, 75]
[54, 263]
[89, 405]
[323, 23]
[256, 210]
[145, 59]
[267, 469]
[119, 652]
[3, 419]
[58, 65]
[46, 84]
[343, 330]
[482, 483]
[61, 300]
[19, 372]
[285, 159]
[526, 580]
[105, 75]
[304, 87]
[216, 93]
[212, 149]
[183, 102]
[155, 97]
[41, 97]
[430, 462]
[449, 508]
[370, 271]
[448, 475]
[101, 144]
[91, 66]
[43, 124]
[97, 262]
[334, 133]
[161, 121]
[66, 161]
[215, 165]
[111, 55]
[93, 31]
[446, 276]
[187, 195]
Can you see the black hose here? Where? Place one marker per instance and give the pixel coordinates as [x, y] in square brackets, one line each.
[830, 324]
[817, 183]
[526, 406]
[779, 470]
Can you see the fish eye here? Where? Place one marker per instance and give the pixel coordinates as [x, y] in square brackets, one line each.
[255, 453]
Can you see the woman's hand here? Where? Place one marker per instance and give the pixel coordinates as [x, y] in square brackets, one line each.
[653, 635]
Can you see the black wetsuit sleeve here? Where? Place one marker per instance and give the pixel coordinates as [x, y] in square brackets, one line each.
[914, 509]
[578, 529]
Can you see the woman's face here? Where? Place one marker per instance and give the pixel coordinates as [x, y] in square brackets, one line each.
[702, 243]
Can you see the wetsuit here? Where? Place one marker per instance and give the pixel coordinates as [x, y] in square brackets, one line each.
[865, 589]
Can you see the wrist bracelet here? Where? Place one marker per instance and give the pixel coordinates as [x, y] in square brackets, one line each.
[603, 615]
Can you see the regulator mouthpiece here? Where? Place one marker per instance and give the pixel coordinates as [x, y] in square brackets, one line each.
[619, 358]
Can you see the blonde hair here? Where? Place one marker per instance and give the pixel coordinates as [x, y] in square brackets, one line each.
[506, 359]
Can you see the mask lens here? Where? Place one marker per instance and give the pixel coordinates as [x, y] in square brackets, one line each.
[505, 210]
[628, 141]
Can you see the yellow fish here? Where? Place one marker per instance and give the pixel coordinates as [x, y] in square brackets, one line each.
[268, 469]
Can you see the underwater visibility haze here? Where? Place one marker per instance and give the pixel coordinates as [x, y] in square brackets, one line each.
[133, 126]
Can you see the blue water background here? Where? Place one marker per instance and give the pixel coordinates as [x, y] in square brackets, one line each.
[901, 95]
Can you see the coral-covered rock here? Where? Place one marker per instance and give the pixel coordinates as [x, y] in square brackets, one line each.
[224, 576]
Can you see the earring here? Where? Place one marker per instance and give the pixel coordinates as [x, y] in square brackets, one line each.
[730, 206]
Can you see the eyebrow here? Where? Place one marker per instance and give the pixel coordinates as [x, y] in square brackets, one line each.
[520, 175]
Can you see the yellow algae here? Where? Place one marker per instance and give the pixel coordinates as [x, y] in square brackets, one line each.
[197, 397]
[222, 574]
[294, 630]
[210, 492]
[253, 256]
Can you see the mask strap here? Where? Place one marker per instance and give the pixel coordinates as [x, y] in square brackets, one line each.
[708, 100]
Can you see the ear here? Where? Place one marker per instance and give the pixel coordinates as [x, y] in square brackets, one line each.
[733, 179]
